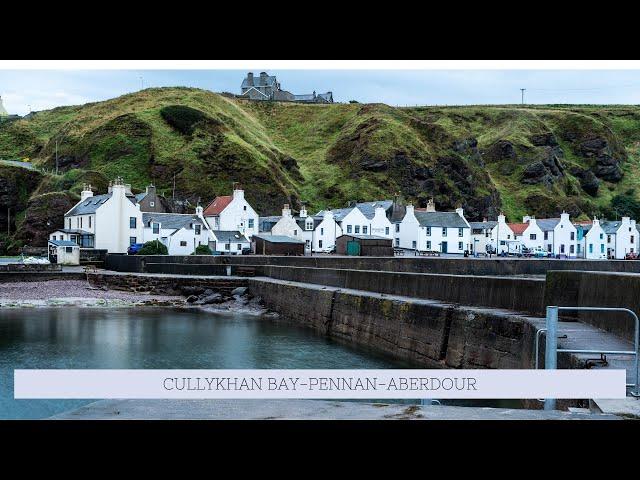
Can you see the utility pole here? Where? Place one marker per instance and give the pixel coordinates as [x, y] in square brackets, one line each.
[522, 92]
[56, 156]
[174, 187]
[141, 83]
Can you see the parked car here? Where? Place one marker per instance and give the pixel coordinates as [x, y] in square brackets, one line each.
[135, 248]
[540, 252]
[631, 256]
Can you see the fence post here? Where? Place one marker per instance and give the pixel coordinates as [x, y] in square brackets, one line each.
[551, 349]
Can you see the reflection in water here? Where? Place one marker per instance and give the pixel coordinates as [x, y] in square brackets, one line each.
[155, 338]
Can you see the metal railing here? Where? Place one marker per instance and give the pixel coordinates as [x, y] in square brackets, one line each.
[552, 350]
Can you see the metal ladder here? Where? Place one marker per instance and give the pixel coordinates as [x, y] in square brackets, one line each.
[552, 350]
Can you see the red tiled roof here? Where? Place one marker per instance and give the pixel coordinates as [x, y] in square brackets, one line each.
[218, 205]
[518, 228]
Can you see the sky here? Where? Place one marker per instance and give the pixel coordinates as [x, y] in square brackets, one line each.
[32, 90]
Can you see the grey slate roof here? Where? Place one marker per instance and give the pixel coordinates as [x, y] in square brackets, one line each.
[486, 225]
[369, 208]
[229, 236]
[258, 81]
[440, 219]
[63, 243]
[303, 221]
[72, 230]
[140, 196]
[610, 227]
[90, 205]
[326, 96]
[171, 220]
[278, 239]
[338, 213]
[304, 98]
[547, 224]
[265, 224]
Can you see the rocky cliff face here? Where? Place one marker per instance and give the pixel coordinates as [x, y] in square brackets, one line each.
[539, 161]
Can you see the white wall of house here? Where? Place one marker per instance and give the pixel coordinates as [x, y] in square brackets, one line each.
[287, 226]
[500, 237]
[233, 247]
[625, 240]
[564, 239]
[111, 221]
[533, 235]
[355, 222]
[594, 243]
[325, 234]
[413, 236]
[238, 215]
[380, 225]
[408, 233]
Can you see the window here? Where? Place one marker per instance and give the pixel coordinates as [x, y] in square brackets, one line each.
[197, 229]
[571, 248]
[80, 222]
[460, 232]
[319, 243]
[601, 236]
[397, 227]
[70, 249]
[532, 236]
[156, 228]
[428, 244]
[413, 244]
[132, 240]
[608, 238]
[244, 208]
[632, 239]
[591, 248]
[321, 232]
[250, 223]
[548, 247]
[239, 246]
[397, 242]
[348, 228]
[386, 230]
[602, 248]
[132, 222]
[90, 221]
[364, 230]
[227, 246]
[309, 225]
[357, 228]
[429, 231]
[444, 231]
[562, 248]
[295, 233]
[460, 246]
[573, 235]
[69, 223]
[503, 242]
[579, 248]
[546, 235]
[183, 243]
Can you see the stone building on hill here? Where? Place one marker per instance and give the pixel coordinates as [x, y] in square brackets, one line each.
[267, 87]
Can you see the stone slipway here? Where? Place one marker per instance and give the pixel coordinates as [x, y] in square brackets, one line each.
[302, 410]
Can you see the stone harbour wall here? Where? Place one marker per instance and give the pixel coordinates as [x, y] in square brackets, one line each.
[421, 332]
[163, 285]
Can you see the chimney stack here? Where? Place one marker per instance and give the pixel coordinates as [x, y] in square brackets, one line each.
[86, 192]
[431, 206]
[286, 211]
[250, 79]
[303, 212]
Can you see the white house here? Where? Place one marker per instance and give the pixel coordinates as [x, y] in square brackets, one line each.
[377, 213]
[559, 235]
[592, 241]
[319, 232]
[180, 233]
[232, 213]
[496, 236]
[622, 237]
[64, 252]
[228, 242]
[111, 221]
[428, 230]
[532, 235]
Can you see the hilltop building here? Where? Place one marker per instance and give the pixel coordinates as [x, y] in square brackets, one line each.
[267, 87]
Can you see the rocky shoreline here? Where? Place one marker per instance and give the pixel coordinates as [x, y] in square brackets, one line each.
[78, 293]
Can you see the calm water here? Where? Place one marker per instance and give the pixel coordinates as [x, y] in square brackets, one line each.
[161, 338]
[154, 338]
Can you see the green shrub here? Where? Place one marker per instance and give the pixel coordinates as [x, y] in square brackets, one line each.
[155, 247]
[181, 118]
[202, 250]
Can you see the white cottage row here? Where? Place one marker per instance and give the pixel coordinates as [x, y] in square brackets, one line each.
[114, 221]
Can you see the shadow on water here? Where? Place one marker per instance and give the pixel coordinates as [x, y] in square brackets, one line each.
[158, 338]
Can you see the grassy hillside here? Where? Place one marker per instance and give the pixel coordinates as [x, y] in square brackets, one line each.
[538, 160]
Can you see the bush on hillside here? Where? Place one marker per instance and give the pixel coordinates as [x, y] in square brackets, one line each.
[202, 250]
[181, 118]
[154, 247]
[624, 205]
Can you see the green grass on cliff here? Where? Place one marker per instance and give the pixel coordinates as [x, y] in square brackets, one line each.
[128, 136]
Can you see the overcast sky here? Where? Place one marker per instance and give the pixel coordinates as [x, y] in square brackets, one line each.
[38, 90]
